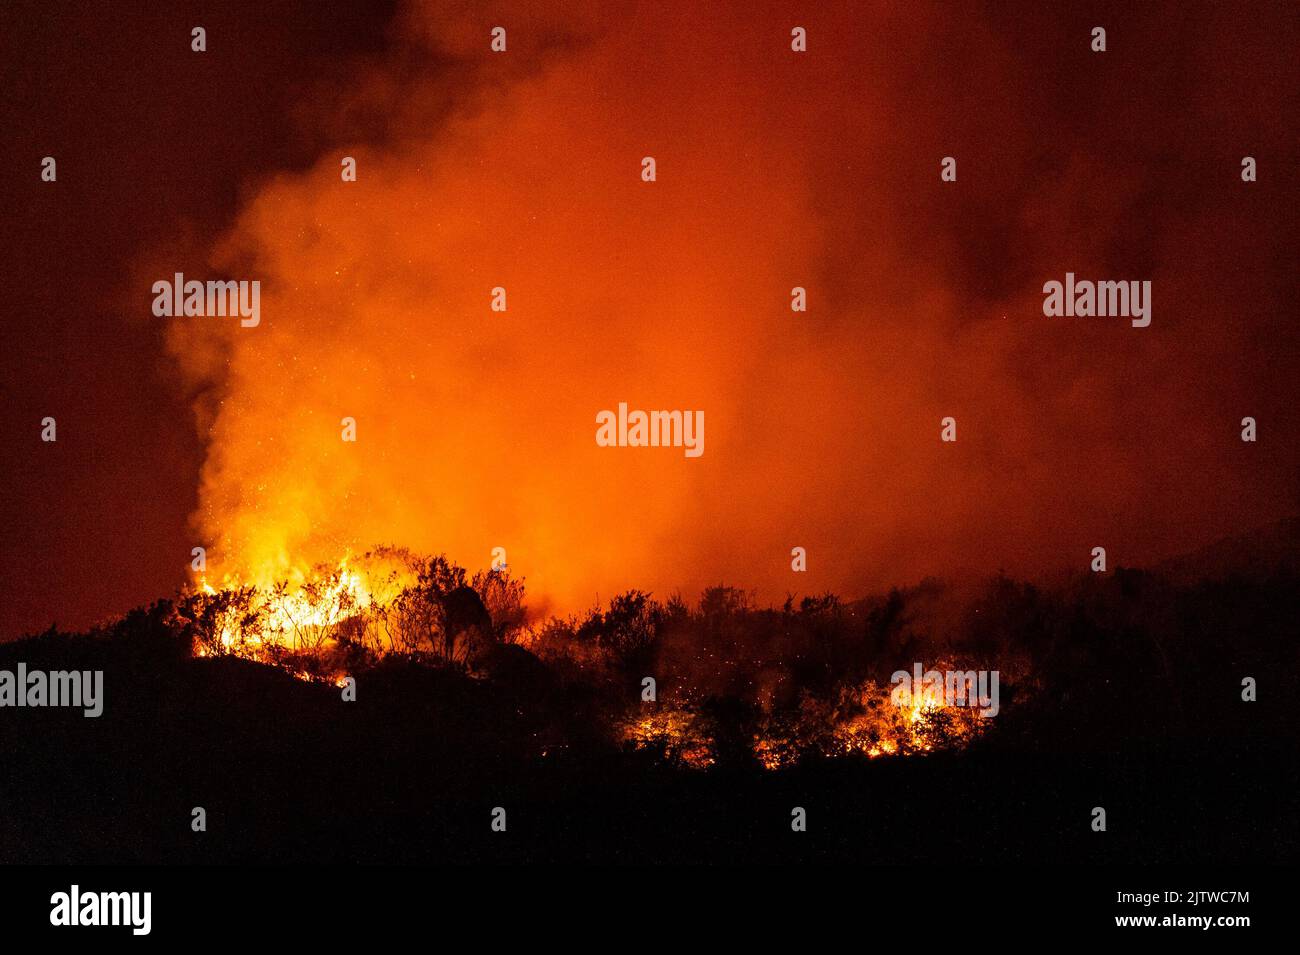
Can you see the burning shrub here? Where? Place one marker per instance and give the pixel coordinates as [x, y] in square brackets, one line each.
[736, 685]
[671, 736]
[388, 600]
[503, 596]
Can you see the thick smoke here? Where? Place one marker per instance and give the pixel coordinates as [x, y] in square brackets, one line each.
[476, 429]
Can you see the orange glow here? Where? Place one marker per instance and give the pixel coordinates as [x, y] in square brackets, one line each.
[475, 428]
[875, 727]
[305, 611]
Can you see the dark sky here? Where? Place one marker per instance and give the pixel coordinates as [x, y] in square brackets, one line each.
[820, 171]
[153, 145]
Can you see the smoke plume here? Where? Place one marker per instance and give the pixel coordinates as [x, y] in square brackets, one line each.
[775, 169]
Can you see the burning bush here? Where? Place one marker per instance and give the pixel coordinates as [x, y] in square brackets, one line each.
[387, 601]
[734, 684]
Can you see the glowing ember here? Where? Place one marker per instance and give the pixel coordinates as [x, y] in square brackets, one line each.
[675, 734]
[866, 723]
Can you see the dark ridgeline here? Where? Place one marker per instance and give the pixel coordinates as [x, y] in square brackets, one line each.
[1125, 692]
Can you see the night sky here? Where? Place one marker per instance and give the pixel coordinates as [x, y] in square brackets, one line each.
[522, 170]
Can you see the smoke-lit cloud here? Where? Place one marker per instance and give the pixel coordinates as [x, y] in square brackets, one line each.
[522, 170]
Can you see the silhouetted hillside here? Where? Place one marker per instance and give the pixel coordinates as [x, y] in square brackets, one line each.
[1121, 690]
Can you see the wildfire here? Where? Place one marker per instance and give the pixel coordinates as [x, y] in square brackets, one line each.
[308, 615]
[675, 734]
[867, 724]
[311, 606]
[326, 621]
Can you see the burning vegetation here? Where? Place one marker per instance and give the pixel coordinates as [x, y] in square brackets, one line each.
[690, 686]
[724, 682]
[353, 613]
[461, 702]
